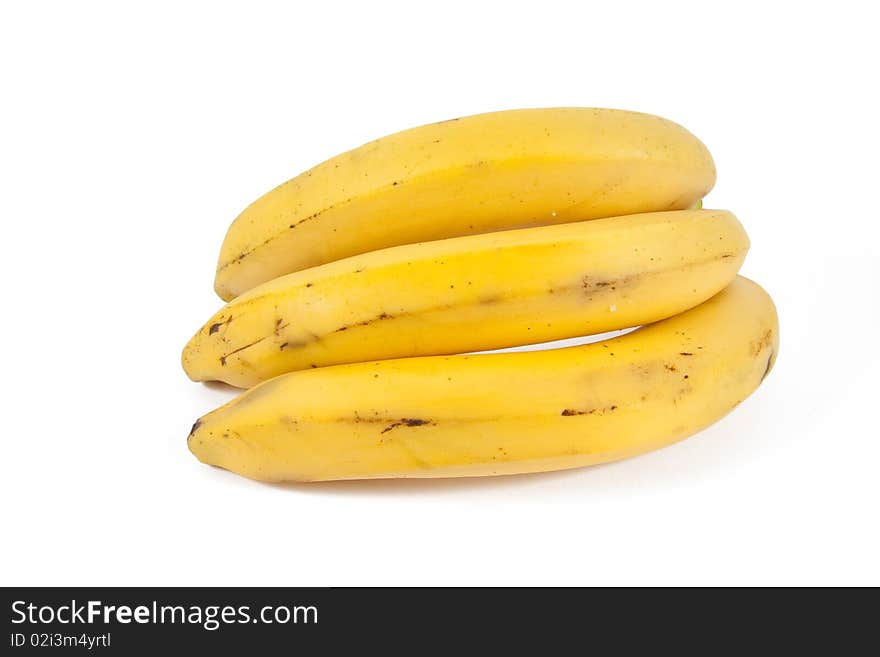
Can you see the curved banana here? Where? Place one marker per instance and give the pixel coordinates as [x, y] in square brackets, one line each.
[470, 175]
[472, 293]
[503, 413]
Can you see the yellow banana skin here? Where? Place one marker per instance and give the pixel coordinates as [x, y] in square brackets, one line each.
[471, 175]
[472, 293]
[506, 413]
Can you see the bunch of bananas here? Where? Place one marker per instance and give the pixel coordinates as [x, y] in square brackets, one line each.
[352, 287]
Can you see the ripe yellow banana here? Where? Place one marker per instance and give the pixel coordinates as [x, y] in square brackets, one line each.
[504, 413]
[472, 293]
[470, 175]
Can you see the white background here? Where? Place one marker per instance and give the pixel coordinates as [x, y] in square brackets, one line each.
[130, 138]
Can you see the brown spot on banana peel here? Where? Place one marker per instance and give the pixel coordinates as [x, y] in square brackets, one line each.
[366, 322]
[589, 284]
[235, 351]
[217, 325]
[293, 344]
[570, 412]
[297, 223]
[763, 342]
[408, 422]
[195, 427]
[391, 423]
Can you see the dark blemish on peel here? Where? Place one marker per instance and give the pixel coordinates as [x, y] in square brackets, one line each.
[301, 221]
[366, 322]
[406, 422]
[589, 283]
[569, 412]
[216, 326]
[764, 341]
[309, 284]
[294, 344]
[235, 351]
[685, 353]
[195, 426]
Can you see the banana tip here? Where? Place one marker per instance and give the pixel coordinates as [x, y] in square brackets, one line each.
[195, 428]
[221, 291]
